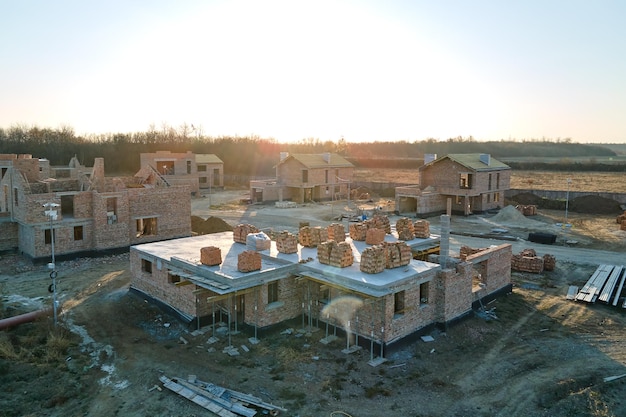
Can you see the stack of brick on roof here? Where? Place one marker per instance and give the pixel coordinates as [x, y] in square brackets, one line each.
[336, 232]
[421, 229]
[286, 242]
[248, 261]
[375, 259]
[379, 222]
[338, 254]
[528, 261]
[241, 231]
[374, 236]
[405, 229]
[210, 256]
[358, 231]
[311, 237]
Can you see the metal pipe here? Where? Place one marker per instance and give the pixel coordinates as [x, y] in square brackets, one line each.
[23, 318]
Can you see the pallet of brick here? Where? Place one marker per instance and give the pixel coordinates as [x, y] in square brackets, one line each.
[620, 219]
[210, 255]
[258, 241]
[532, 264]
[397, 254]
[405, 229]
[527, 210]
[358, 231]
[373, 259]
[249, 261]
[241, 231]
[338, 254]
[549, 262]
[286, 242]
[374, 236]
[336, 232]
[380, 221]
[311, 237]
[421, 229]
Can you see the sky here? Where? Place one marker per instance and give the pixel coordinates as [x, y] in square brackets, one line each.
[292, 70]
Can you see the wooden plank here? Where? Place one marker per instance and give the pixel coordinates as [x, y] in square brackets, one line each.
[605, 295]
[619, 287]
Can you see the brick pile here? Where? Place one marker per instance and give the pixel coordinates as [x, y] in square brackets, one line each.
[374, 236]
[249, 261]
[358, 231]
[529, 210]
[405, 229]
[373, 259]
[258, 241]
[620, 219]
[466, 251]
[622, 225]
[336, 232]
[549, 262]
[286, 242]
[397, 254]
[379, 221]
[532, 264]
[241, 231]
[422, 229]
[312, 236]
[335, 254]
[210, 255]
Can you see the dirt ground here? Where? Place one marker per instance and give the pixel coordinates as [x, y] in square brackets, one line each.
[541, 355]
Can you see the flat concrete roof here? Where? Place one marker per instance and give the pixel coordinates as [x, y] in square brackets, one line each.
[183, 257]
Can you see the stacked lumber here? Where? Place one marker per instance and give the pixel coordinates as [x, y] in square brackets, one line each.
[379, 221]
[336, 232]
[241, 231]
[210, 255]
[358, 231]
[397, 254]
[312, 236]
[249, 261]
[373, 259]
[405, 229]
[286, 242]
[374, 236]
[549, 262]
[528, 210]
[532, 264]
[258, 241]
[338, 254]
[421, 229]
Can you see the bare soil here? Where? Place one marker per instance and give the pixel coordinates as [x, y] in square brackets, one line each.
[541, 356]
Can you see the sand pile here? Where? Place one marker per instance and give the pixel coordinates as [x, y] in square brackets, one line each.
[510, 216]
[210, 225]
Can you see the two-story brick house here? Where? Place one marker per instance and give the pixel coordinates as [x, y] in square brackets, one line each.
[305, 177]
[468, 182]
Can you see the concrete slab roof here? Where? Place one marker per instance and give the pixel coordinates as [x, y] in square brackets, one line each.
[183, 257]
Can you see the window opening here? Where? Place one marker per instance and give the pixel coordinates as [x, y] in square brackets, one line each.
[147, 226]
[78, 232]
[146, 266]
[424, 293]
[398, 303]
[272, 292]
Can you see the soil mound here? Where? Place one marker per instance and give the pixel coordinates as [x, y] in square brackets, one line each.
[511, 216]
[527, 199]
[210, 225]
[594, 205]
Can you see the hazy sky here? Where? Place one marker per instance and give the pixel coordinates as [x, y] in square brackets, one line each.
[364, 70]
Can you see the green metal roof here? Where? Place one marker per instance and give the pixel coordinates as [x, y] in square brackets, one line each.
[473, 161]
[208, 158]
[319, 160]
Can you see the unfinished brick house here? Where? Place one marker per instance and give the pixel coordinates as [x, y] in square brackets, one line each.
[376, 293]
[305, 177]
[195, 171]
[90, 212]
[473, 182]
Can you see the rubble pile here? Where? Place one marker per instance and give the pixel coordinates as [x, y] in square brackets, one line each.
[286, 242]
[241, 231]
[312, 236]
[210, 255]
[405, 229]
[258, 241]
[397, 254]
[338, 254]
[374, 236]
[249, 261]
[422, 229]
[336, 232]
[373, 259]
[358, 231]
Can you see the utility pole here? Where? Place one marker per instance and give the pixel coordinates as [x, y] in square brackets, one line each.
[51, 212]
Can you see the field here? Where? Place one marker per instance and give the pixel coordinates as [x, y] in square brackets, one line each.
[540, 355]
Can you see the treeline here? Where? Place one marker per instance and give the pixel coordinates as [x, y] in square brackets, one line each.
[252, 156]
